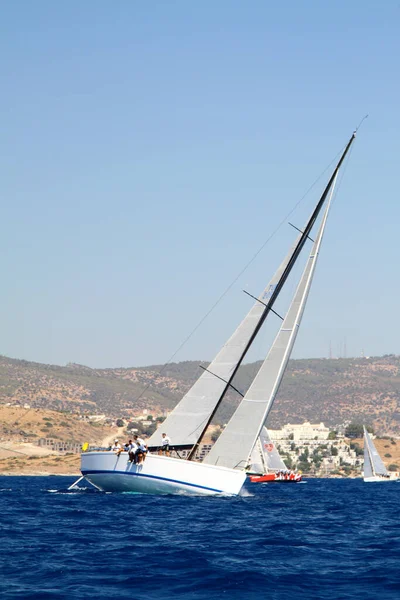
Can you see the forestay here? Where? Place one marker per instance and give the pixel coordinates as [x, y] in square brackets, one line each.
[234, 446]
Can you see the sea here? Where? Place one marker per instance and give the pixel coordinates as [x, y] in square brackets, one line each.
[333, 539]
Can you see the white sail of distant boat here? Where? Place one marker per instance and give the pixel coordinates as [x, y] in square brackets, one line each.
[265, 457]
[224, 469]
[374, 469]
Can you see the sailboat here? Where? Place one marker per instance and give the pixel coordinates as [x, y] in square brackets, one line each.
[374, 469]
[266, 464]
[224, 469]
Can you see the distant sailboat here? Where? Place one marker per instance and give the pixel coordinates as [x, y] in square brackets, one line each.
[266, 464]
[374, 469]
[265, 456]
[225, 468]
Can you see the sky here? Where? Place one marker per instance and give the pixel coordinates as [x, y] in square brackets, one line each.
[151, 149]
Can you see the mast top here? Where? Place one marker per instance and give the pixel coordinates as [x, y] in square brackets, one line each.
[359, 125]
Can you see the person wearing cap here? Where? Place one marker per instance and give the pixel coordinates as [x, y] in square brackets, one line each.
[117, 448]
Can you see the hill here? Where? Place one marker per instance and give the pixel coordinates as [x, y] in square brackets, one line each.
[20, 430]
[333, 391]
[17, 423]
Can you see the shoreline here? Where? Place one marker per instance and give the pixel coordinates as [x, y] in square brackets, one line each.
[79, 474]
[40, 474]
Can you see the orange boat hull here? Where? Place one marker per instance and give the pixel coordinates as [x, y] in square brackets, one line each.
[270, 478]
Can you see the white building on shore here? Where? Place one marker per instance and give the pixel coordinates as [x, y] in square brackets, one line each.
[304, 431]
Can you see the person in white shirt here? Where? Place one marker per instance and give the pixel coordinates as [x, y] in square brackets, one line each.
[117, 448]
[141, 451]
[132, 451]
[165, 442]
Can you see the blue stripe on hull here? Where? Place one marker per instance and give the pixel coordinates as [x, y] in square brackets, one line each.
[101, 472]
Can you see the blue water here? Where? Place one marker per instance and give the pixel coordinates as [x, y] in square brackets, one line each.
[323, 539]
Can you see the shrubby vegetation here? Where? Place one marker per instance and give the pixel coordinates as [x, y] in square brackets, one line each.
[332, 391]
[356, 430]
[355, 446]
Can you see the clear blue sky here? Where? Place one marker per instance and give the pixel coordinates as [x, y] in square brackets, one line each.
[150, 148]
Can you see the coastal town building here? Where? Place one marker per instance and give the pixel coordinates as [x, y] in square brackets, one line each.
[309, 443]
[93, 418]
[59, 446]
[304, 431]
[201, 453]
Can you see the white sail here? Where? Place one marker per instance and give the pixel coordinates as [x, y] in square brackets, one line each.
[157, 474]
[186, 422]
[234, 446]
[265, 456]
[373, 464]
[257, 460]
[368, 470]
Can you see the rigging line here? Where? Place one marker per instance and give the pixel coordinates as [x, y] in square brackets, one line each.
[361, 122]
[230, 286]
[218, 377]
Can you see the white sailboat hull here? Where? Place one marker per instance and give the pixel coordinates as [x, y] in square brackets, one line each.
[376, 478]
[158, 475]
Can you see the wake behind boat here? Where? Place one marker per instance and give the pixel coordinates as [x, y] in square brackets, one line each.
[374, 469]
[225, 468]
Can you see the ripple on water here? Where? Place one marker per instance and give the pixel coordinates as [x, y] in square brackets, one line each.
[329, 539]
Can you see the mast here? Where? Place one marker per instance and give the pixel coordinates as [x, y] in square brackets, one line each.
[275, 292]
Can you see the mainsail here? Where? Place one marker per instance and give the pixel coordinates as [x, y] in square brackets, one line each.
[234, 446]
[188, 421]
[373, 464]
[265, 456]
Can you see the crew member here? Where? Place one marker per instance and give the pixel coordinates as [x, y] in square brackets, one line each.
[165, 443]
[141, 451]
[117, 448]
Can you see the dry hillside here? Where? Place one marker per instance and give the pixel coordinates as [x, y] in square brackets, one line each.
[20, 424]
[333, 391]
[20, 430]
